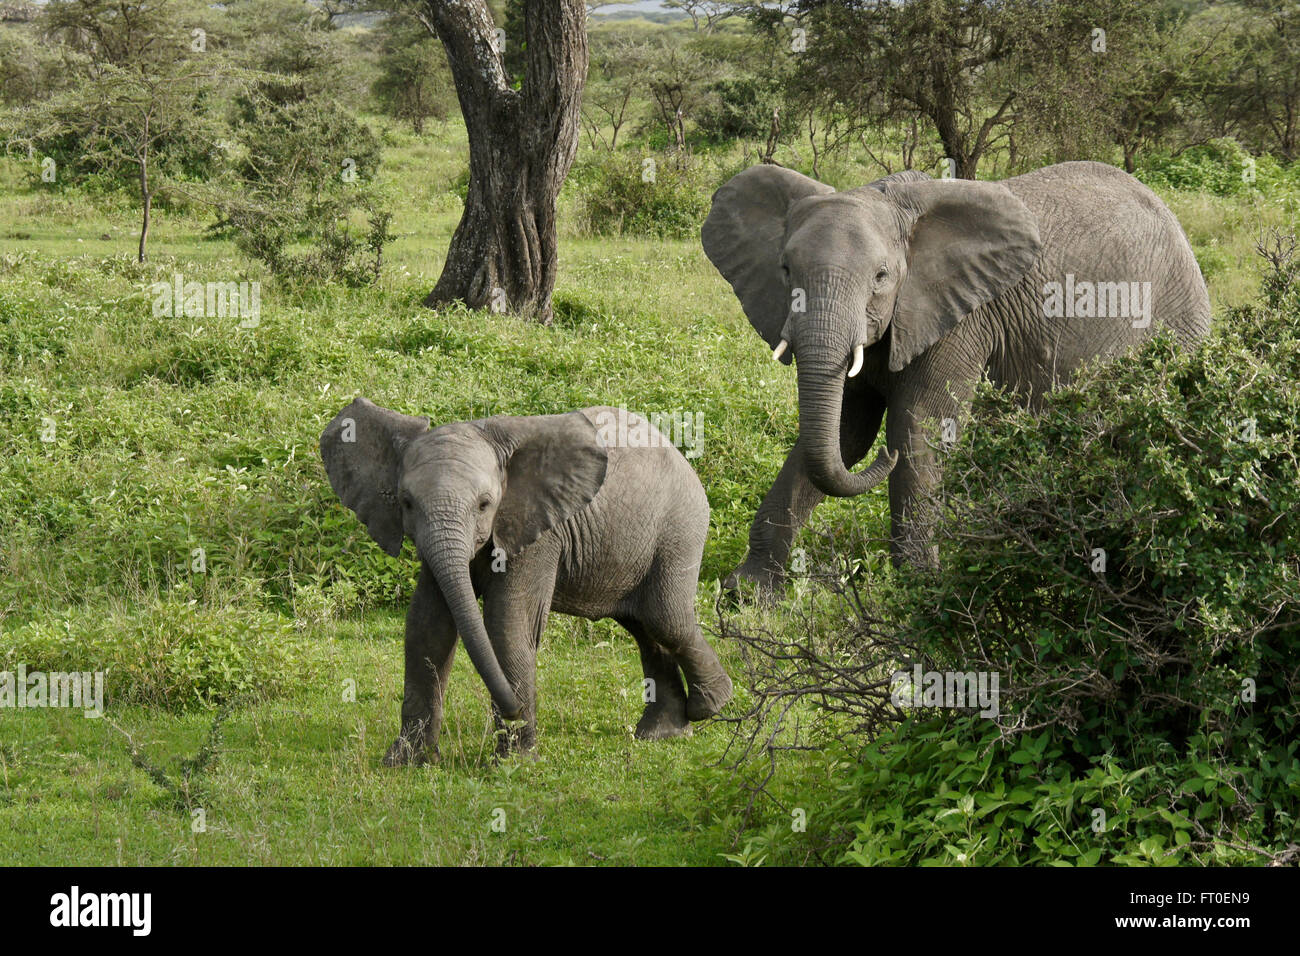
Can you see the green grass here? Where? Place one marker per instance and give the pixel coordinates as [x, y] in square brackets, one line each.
[175, 434]
[298, 779]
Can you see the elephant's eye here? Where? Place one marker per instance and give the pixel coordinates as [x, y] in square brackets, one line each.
[406, 499]
[882, 274]
[483, 503]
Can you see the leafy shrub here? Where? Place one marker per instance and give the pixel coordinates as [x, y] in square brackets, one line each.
[1222, 167]
[1181, 470]
[414, 82]
[982, 801]
[308, 174]
[614, 197]
[740, 108]
[174, 654]
[1128, 559]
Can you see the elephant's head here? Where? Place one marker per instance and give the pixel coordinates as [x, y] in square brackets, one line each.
[454, 488]
[823, 275]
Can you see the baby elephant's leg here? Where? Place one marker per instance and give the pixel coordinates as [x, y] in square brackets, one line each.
[669, 614]
[516, 632]
[430, 646]
[661, 690]
[516, 606]
[708, 687]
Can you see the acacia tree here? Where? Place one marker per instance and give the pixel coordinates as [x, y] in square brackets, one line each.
[1272, 76]
[706, 13]
[618, 72]
[961, 66]
[131, 119]
[138, 97]
[521, 144]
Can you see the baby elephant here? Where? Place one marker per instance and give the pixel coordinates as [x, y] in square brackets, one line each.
[532, 514]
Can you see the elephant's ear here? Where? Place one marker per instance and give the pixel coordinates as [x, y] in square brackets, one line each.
[362, 450]
[743, 236]
[554, 465]
[970, 242]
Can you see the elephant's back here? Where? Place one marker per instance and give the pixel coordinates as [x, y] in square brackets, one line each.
[646, 460]
[651, 510]
[1106, 239]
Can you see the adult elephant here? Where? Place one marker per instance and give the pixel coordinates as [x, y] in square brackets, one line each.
[899, 296]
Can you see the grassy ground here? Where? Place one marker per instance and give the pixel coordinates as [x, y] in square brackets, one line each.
[176, 434]
[298, 779]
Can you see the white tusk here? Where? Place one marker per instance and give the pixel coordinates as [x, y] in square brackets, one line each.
[857, 362]
[779, 351]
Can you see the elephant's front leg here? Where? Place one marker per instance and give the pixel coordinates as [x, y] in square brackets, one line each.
[516, 605]
[918, 426]
[430, 647]
[792, 497]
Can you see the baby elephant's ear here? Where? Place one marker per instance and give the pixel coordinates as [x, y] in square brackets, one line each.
[362, 450]
[554, 465]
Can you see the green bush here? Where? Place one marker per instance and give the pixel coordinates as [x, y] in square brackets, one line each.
[1222, 167]
[1126, 560]
[302, 191]
[614, 197]
[740, 108]
[948, 792]
[176, 655]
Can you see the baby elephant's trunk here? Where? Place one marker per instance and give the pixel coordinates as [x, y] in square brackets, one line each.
[452, 573]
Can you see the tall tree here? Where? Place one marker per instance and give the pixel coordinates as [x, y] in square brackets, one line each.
[959, 65]
[1273, 74]
[139, 103]
[522, 141]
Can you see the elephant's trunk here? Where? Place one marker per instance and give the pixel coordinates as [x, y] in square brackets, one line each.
[450, 567]
[822, 361]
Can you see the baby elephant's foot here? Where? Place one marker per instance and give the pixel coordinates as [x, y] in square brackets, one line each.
[408, 753]
[516, 740]
[660, 723]
[708, 697]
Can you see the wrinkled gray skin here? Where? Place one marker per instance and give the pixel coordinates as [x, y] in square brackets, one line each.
[584, 529]
[941, 282]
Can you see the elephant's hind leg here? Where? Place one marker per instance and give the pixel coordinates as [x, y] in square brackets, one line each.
[663, 691]
[708, 688]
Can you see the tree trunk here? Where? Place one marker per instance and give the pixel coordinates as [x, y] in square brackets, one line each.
[146, 200]
[521, 145]
[965, 162]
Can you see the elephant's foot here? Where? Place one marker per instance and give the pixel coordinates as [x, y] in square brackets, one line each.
[708, 697]
[516, 740]
[756, 578]
[408, 753]
[523, 754]
[660, 723]
[415, 744]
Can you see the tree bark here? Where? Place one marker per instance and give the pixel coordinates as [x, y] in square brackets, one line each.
[503, 254]
[146, 200]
